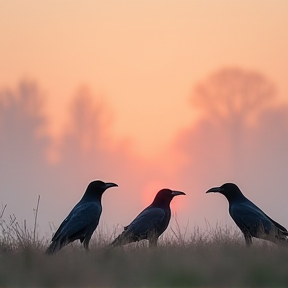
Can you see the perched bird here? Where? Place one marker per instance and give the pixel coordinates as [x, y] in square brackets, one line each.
[251, 220]
[151, 222]
[83, 218]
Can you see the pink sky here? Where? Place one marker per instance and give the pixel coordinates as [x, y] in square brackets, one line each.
[142, 57]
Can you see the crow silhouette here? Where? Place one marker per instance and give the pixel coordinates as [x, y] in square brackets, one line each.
[151, 222]
[251, 220]
[83, 218]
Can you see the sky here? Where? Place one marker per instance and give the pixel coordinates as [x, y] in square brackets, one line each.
[142, 61]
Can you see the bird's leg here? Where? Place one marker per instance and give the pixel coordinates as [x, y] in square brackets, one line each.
[86, 245]
[153, 242]
[248, 239]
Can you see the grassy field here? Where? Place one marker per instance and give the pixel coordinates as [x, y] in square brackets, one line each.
[211, 258]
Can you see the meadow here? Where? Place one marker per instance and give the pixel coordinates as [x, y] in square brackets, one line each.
[214, 257]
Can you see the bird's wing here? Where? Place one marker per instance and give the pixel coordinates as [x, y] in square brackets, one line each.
[60, 228]
[264, 214]
[283, 229]
[148, 220]
[81, 217]
[250, 218]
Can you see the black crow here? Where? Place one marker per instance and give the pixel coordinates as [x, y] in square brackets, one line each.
[251, 220]
[83, 218]
[151, 222]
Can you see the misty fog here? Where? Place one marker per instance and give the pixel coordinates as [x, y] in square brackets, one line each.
[240, 136]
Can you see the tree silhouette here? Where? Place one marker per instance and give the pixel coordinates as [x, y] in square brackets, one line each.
[239, 137]
[233, 95]
[86, 134]
[233, 98]
[22, 126]
[24, 172]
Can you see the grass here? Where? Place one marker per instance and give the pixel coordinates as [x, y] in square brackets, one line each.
[215, 257]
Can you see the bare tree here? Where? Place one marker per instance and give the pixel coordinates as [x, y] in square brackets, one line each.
[86, 133]
[232, 97]
[22, 123]
[23, 143]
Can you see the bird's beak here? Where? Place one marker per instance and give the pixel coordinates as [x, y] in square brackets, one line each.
[175, 193]
[215, 190]
[108, 185]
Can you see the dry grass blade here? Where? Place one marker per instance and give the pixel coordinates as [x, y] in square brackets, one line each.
[35, 219]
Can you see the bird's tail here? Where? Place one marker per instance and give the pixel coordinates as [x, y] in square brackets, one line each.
[118, 241]
[282, 237]
[123, 239]
[54, 247]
